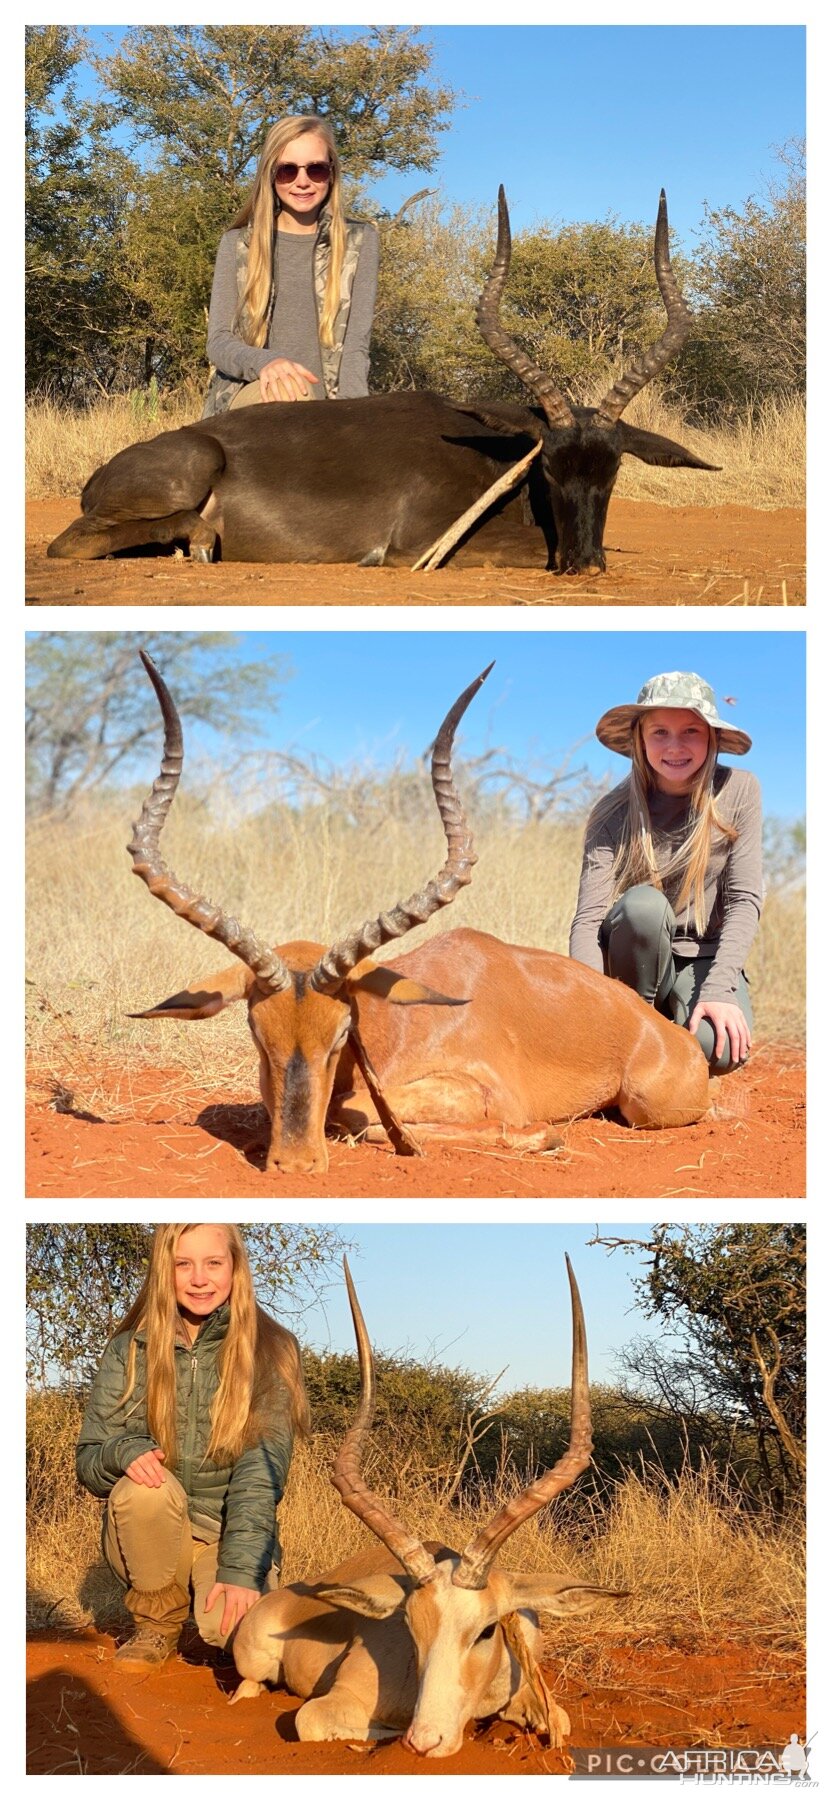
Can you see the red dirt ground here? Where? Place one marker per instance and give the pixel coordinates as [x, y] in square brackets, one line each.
[88, 1716]
[163, 1140]
[657, 555]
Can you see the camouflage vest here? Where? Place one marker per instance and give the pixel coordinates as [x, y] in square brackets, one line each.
[223, 387]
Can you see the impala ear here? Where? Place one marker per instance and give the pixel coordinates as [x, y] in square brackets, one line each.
[204, 1001]
[559, 1595]
[508, 420]
[650, 447]
[371, 978]
[377, 1596]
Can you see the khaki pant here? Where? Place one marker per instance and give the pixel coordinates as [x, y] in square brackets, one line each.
[250, 396]
[155, 1551]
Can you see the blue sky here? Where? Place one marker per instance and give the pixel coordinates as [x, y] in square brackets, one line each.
[480, 1297]
[375, 695]
[581, 121]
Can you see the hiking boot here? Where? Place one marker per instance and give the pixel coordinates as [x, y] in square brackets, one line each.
[149, 1644]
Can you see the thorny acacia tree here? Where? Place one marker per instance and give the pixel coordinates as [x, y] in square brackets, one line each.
[87, 708]
[80, 1280]
[733, 1297]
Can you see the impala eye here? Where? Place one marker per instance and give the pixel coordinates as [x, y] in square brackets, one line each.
[487, 1633]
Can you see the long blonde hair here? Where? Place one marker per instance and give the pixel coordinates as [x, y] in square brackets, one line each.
[260, 212]
[635, 859]
[257, 1357]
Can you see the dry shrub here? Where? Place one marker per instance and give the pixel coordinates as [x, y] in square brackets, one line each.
[761, 459]
[98, 948]
[696, 1561]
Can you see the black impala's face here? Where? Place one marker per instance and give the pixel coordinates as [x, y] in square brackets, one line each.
[581, 462]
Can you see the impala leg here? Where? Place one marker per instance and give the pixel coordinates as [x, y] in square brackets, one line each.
[340, 1714]
[495, 543]
[247, 1690]
[91, 538]
[258, 1646]
[660, 1090]
[446, 1110]
[484, 1135]
[148, 494]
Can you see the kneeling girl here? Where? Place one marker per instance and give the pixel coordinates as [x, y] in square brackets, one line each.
[188, 1437]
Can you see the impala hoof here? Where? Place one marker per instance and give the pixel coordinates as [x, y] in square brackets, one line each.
[247, 1690]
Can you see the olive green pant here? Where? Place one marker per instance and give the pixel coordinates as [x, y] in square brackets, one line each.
[162, 1558]
[636, 938]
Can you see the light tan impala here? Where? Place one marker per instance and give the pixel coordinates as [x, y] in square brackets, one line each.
[413, 1638]
[467, 1039]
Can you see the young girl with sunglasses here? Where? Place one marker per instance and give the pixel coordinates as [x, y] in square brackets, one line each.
[188, 1435]
[294, 287]
[671, 884]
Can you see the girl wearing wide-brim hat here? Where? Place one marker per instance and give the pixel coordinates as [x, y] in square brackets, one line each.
[187, 1435]
[671, 883]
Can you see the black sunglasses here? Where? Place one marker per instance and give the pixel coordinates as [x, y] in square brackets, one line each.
[316, 171]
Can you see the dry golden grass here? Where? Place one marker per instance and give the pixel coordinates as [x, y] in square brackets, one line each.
[64, 446]
[695, 1563]
[762, 459]
[99, 949]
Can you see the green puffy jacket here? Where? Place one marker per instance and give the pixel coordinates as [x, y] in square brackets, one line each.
[234, 1503]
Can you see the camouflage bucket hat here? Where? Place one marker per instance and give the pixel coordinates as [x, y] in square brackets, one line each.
[681, 688]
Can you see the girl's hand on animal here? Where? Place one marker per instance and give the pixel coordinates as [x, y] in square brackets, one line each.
[238, 1601]
[730, 1023]
[283, 379]
[145, 1470]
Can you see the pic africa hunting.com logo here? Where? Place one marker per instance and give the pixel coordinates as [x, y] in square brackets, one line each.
[702, 1766]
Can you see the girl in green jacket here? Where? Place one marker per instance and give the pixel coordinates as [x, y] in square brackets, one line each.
[188, 1436]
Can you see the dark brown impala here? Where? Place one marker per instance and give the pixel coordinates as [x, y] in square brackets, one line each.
[467, 1039]
[413, 1638]
[380, 480]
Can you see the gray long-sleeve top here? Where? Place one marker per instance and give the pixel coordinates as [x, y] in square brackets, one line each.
[294, 324]
[732, 889]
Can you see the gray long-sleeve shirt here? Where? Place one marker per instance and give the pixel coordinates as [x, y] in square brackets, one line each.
[294, 325]
[732, 889]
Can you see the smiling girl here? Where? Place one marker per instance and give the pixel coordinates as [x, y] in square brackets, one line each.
[671, 884]
[294, 286]
[188, 1436]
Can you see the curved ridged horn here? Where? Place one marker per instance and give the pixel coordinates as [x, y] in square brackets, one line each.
[332, 969]
[346, 1472]
[554, 404]
[472, 1571]
[270, 970]
[679, 323]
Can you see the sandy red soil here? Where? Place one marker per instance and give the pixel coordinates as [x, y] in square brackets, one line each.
[88, 1716]
[161, 1140]
[656, 555]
